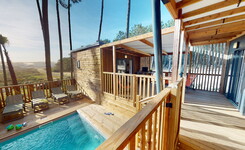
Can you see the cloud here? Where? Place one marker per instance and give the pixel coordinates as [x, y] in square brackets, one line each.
[20, 23]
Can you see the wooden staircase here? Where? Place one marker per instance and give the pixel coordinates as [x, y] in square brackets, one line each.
[119, 105]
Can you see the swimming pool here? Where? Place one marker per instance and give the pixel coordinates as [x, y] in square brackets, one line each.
[68, 133]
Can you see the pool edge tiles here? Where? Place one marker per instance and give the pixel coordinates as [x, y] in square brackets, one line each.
[88, 120]
[69, 130]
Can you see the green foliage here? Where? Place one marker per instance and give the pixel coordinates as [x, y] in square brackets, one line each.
[31, 75]
[104, 41]
[168, 24]
[3, 39]
[66, 65]
[120, 35]
[139, 29]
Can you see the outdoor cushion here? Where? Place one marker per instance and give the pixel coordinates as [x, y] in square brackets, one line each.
[39, 101]
[12, 108]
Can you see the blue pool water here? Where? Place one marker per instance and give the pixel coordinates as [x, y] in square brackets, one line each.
[68, 133]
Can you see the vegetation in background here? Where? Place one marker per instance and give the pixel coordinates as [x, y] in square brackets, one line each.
[105, 41]
[128, 19]
[139, 29]
[3, 67]
[101, 19]
[3, 41]
[43, 16]
[31, 75]
[68, 7]
[60, 39]
[66, 65]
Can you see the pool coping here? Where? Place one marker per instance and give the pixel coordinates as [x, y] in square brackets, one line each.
[49, 118]
[104, 134]
[23, 131]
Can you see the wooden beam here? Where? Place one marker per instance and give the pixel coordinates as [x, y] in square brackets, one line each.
[147, 42]
[224, 40]
[215, 16]
[237, 36]
[218, 22]
[151, 45]
[222, 29]
[130, 54]
[139, 37]
[176, 47]
[171, 6]
[212, 35]
[212, 38]
[209, 8]
[134, 50]
[185, 3]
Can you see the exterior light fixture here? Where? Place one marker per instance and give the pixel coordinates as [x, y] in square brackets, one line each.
[78, 64]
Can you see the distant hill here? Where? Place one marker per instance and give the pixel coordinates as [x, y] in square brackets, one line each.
[25, 65]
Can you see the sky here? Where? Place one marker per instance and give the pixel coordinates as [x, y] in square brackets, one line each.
[19, 22]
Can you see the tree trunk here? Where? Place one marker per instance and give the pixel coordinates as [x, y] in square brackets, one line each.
[45, 28]
[11, 68]
[60, 40]
[128, 19]
[69, 24]
[4, 68]
[101, 19]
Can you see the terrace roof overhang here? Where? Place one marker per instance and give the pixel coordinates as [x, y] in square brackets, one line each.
[209, 21]
[142, 45]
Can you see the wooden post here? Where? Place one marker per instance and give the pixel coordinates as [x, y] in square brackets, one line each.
[176, 47]
[225, 58]
[114, 70]
[138, 102]
[180, 53]
[185, 69]
[134, 89]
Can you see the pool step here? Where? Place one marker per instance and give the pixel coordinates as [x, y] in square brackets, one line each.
[107, 124]
[121, 107]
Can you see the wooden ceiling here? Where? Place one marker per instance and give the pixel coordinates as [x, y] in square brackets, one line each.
[209, 21]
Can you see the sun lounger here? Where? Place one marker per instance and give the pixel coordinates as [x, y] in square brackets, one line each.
[73, 92]
[59, 96]
[14, 107]
[39, 101]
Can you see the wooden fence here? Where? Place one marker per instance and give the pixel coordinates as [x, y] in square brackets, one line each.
[127, 86]
[206, 64]
[156, 126]
[26, 89]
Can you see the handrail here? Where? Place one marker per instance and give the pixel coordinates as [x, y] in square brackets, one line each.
[127, 86]
[126, 132]
[156, 126]
[26, 89]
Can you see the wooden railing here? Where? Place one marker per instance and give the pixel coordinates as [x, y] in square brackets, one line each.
[26, 89]
[156, 126]
[127, 86]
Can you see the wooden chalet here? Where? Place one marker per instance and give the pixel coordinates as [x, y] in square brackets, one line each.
[209, 35]
[206, 53]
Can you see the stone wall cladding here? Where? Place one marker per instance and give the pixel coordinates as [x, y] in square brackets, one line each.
[88, 75]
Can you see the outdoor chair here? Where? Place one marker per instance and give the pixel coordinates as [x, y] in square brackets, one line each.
[73, 92]
[39, 101]
[14, 108]
[59, 96]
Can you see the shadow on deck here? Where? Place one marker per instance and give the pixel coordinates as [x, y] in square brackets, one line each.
[34, 120]
[210, 121]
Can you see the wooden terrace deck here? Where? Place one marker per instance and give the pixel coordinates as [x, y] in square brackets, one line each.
[210, 121]
[34, 120]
